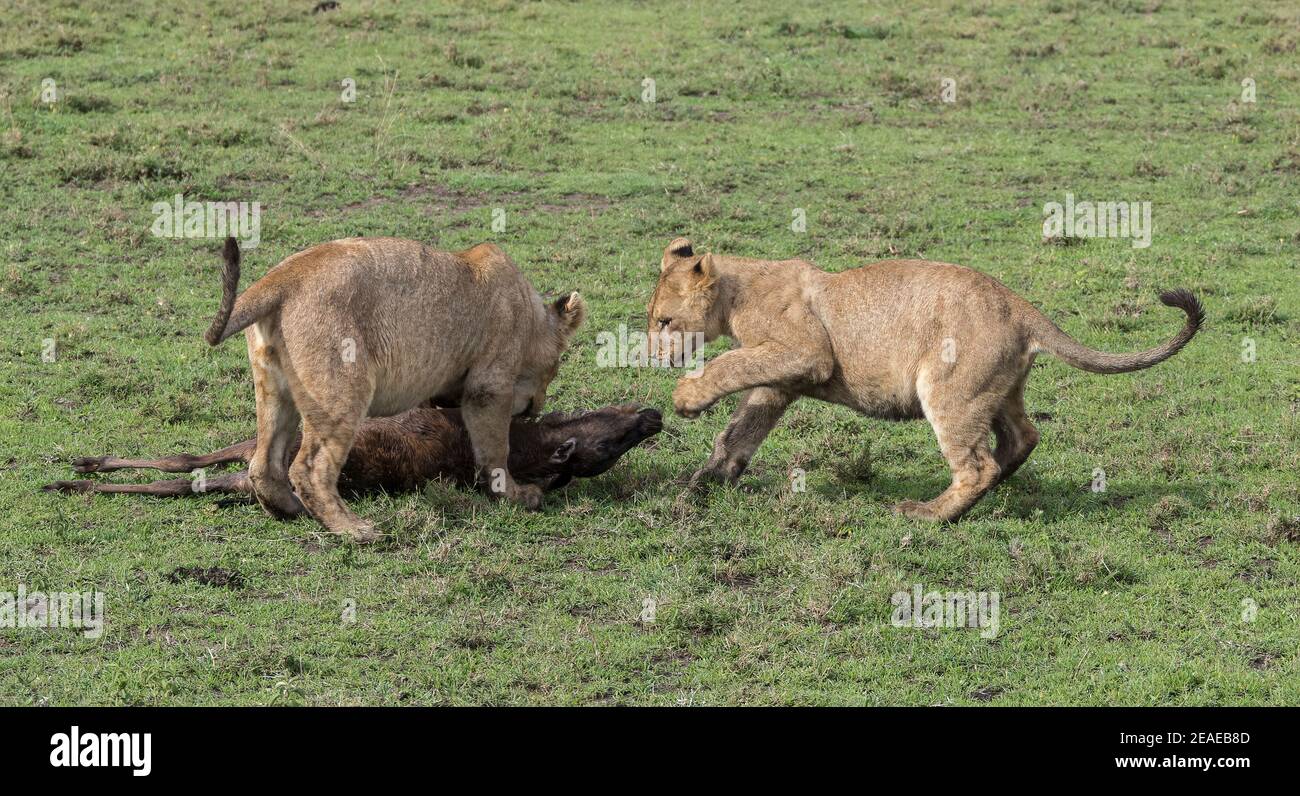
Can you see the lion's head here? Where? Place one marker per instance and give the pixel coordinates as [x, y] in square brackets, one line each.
[563, 317]
[684, 301]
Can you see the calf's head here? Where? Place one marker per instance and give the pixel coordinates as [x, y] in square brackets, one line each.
[558, 447]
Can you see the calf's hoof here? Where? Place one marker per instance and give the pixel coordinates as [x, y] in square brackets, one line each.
[68, 487]
[88, 464]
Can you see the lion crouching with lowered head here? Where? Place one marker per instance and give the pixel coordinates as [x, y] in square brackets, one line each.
[898, 339]
[371, 327]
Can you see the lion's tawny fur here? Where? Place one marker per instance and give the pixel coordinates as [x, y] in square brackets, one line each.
[372, 327]
[898, 339]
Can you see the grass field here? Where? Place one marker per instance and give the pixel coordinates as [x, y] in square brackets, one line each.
[1177, 585]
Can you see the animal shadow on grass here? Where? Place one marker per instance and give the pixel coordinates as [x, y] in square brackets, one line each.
[456, 504]
[1028, 494]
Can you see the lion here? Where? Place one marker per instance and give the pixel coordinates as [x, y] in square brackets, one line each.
[897, 339]
[371, 327]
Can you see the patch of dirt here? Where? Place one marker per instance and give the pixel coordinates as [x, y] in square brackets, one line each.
[570, 201]
[673, 657]
[210, 576]
[575, 565]
[437, 195]
[472, 640]
[1163, 515]
[1258, 569]
[987, 694]
[441, 199]
[1282, 529]
[736, 580]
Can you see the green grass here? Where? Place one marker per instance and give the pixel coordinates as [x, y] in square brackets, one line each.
[765, 596]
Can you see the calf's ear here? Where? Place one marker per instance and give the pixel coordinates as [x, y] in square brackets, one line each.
[565, 450]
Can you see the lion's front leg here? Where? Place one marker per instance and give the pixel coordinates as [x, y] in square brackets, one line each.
[767, 365]
[758, 413]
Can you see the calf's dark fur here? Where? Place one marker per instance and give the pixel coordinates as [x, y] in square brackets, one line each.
[403, 452]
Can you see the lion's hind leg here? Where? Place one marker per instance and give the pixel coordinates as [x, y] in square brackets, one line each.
[962, 427]
[1015, 434]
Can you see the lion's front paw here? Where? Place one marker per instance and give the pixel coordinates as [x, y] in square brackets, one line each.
[363, 532]
[690, 400]
[916, 510]
[527, 495]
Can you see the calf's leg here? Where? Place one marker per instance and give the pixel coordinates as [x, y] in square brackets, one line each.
[228, 483]
[179, 463]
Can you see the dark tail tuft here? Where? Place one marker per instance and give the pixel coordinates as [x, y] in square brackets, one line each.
[1051, 338]
[1183, 299]
[229, 290]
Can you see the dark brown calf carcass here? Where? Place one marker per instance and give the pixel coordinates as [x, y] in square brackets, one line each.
[403, 452]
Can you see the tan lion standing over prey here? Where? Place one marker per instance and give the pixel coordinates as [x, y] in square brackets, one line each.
[372, 327]
[898, 339]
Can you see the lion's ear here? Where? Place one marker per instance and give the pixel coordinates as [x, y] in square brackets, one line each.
[704, 268]
[570, 311]
[680, 247]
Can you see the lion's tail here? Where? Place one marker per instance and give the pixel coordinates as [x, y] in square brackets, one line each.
[1049, 337]
[235, 313]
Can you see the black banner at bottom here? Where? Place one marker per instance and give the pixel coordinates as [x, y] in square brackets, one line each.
[146, 745]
